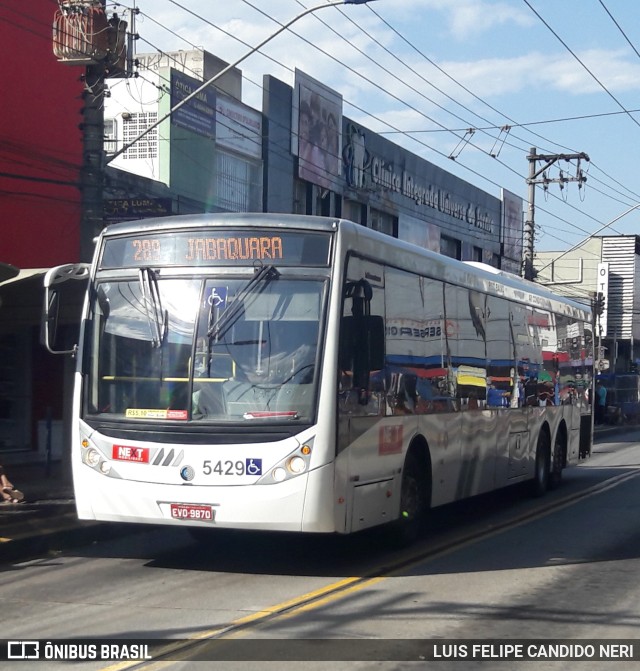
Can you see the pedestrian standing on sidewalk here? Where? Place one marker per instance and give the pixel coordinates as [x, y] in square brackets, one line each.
[9, 493]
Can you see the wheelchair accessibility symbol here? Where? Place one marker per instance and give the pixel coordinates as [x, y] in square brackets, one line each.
[217, 297]
[253, 466]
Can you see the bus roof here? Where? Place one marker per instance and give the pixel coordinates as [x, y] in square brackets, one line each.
[370, 243]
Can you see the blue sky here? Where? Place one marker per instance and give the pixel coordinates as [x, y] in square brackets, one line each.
[564, 76]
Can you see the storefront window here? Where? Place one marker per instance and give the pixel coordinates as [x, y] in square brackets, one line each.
[383, 222]
[450, 247]
[239, 186]
[352, 210]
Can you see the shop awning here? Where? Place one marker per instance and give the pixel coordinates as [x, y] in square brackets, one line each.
[21, 297]
[7, 271]
[21, 276]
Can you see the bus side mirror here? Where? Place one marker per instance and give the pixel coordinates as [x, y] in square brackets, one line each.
[345, 351]
[50, 320]
[370, 338]
[55, 303]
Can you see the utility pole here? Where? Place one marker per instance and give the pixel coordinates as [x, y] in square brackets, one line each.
[538, 175]
[83, 35]
[92, 172]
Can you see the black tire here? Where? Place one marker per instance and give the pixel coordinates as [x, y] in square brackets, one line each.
[540, 482]
[411, 524]
[557, 463]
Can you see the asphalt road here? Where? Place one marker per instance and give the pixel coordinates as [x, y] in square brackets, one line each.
[502, 567]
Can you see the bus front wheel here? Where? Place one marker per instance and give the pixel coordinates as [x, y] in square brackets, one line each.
[413, 503]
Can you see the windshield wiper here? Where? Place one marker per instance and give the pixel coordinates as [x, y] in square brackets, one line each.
[156, 316]
[218, 327]
[271, 414]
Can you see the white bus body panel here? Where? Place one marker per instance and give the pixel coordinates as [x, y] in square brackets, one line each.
[144, 492]
[471, 453]
[279, 507]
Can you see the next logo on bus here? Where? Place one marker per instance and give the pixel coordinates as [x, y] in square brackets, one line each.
[390, 439]
[125, 453]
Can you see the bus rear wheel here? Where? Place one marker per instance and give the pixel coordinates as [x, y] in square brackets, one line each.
[540, 482]
[557, 463]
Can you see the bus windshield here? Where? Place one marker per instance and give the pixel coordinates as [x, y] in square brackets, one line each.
[204, 350]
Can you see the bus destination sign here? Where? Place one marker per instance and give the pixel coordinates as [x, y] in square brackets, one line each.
[214, 248]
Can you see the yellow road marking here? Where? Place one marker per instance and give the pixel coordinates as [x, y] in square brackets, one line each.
[339, 589]
[366, 582]
[299, 601]
[333, 590]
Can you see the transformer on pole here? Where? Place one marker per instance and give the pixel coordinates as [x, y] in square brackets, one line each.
[539, 176]
[84, 35]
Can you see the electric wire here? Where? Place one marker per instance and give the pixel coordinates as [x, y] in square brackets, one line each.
[577, 58]
[218, 28]
[619, 27]
[373, 83]
[467, 90]
[234, 37]
[272, 59]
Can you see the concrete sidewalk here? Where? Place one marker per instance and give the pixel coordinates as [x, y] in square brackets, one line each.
[39, 482]
[46, 521]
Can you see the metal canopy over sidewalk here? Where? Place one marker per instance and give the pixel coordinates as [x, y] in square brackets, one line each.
[7, 271]
[20, 275]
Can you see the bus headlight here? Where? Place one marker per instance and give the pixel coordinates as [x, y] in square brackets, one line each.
[297, 465]
[92, 457]
[279, 474]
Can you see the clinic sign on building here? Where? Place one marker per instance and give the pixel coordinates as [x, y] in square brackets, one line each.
[427, 195]
[373, 164]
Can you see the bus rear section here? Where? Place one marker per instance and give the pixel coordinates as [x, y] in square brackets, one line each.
[485, 383]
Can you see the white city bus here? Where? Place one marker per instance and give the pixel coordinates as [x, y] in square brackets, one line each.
[307, 374]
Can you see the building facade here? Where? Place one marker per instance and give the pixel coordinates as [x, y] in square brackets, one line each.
[337, 167]
[610, 266]
[40, 161]
[298, 154]
[207, 154]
